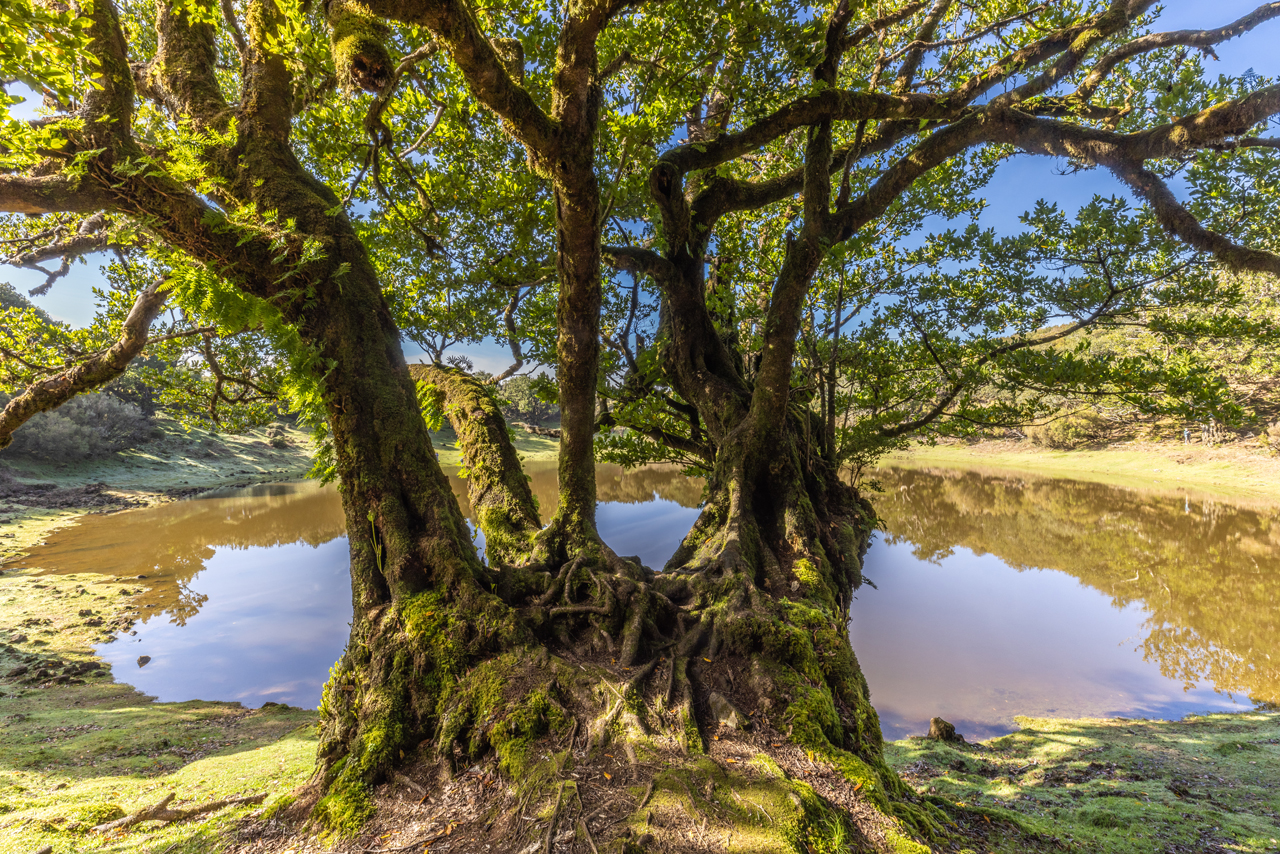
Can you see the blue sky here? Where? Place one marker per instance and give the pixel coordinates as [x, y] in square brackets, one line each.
[1018, 183]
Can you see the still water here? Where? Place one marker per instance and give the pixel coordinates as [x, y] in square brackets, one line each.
[995, 596]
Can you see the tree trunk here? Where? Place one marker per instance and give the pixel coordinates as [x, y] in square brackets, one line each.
[498, 488]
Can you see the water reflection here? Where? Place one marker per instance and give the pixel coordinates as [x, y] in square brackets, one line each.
[172, 543]
[998, 595]
[245, 594]
[1016, 595]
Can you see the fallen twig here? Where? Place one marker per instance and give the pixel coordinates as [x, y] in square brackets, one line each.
[161, 812]
[582, 825]
[400, 778]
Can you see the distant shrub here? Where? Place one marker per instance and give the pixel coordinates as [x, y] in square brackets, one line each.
[1272, 436]
[1072, 431]
[529, 399]
[85, 427]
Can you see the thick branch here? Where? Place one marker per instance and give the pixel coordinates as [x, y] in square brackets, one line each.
[907, 73]
[50, 194]
[830, 104]
[454, 25]
[498, 489]
[637, 259]
[1120, 15]
[181, 76]
[1183, 224]
[161, 812]
[1178, 38]
[100, 369]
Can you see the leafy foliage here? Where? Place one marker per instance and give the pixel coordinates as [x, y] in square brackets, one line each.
[89, 426]
[527, 399]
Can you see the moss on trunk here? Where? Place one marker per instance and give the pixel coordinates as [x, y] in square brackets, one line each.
[497, 487]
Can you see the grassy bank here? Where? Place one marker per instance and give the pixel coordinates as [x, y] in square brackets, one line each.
[78, 749]
[37, 497]
[1204, 785]
[1237, 471]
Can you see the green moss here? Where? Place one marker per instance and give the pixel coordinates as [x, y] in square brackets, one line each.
[900, 844]
[1163, 782]
[806, 572]
[277, 805]
[405, 672]
[95, 814]
[819, 828]
[357, 39]
[346, 807]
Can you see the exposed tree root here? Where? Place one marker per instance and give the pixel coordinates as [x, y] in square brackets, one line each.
[579, 672]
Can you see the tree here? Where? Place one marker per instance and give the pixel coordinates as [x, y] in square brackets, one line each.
[213, 137]
[523, 402]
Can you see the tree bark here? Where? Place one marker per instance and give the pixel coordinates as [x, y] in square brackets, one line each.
[498, 488]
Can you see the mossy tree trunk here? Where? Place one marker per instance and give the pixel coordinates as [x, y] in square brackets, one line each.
[561, 145]
[450, 661]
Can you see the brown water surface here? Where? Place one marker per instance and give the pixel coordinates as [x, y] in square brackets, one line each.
[997, 595]
[1010, 594]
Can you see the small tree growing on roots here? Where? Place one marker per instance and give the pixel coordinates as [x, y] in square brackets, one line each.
[717, 703]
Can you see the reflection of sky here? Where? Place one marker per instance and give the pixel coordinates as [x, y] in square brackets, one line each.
[652, 530]
[274, 622]
[973, 640]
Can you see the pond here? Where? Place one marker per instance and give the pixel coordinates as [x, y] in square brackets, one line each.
[995, 595]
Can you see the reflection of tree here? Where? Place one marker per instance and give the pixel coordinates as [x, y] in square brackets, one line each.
[171, 544]
[1208, 573]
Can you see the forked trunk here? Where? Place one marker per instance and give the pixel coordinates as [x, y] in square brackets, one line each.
[630, 693]
[638, 693]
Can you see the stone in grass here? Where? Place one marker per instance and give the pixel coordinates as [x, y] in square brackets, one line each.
[727, 714]
[940, 730]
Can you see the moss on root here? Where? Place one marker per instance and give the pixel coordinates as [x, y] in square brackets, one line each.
[506, 704]
[384, 697]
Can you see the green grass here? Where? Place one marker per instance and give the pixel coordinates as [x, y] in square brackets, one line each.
[1117, 786]
[179, 458]
[74, 755]
[1235, 472]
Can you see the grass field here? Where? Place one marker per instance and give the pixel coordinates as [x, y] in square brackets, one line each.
[1238, 471]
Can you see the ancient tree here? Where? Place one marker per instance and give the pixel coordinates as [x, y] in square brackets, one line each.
[214, 139]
